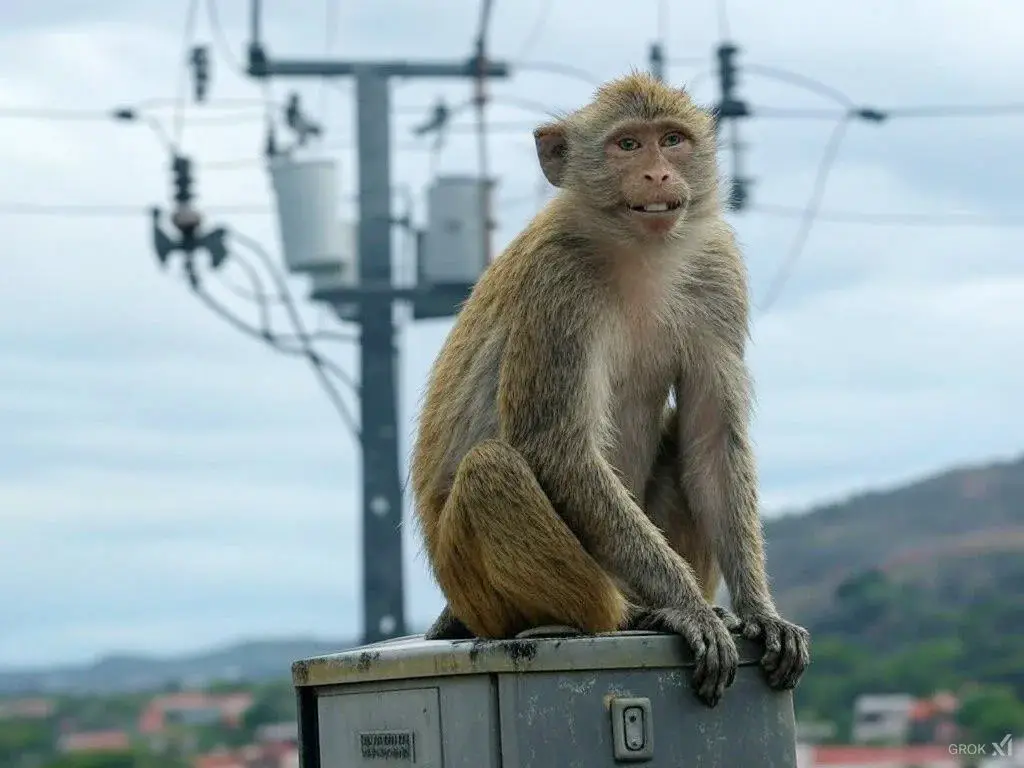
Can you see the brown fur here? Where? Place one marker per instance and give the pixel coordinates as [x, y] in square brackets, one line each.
[551, 484]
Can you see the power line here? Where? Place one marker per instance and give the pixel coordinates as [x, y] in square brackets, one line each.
[330, 37]
[320, 365]
[958, 110]
[188, 39]
[533, 36]
[110, 210]
[481, 97]
[802, 81]
[723, 19]
[288, 299]
[220, 38]
[796, 250]
[938, 220]
[555, 68]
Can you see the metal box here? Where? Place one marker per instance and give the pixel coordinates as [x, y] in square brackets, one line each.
[312, 239]
[622, 699]
[342, 274]
[453, 247]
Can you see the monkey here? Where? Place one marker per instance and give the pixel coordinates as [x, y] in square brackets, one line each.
[582, 455]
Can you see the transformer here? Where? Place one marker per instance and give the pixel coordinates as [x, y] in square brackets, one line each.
[452, 250]
[538, 701]
[307, 208]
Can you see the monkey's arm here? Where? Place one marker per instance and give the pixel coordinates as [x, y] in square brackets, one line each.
[552, 397]
[720, 475]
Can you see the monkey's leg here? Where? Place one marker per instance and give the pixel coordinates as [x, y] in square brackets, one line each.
[507, 561]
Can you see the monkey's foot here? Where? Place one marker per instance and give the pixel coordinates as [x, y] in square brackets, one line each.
[448, 627]
[707, 634]
[787, 647]
[731, 620]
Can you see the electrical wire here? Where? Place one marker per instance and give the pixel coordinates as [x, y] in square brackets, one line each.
[263, 300]
[100, 210]
[802, 81]
[220, 39]
[188, 39]
[723, 19]
[320, 365]
[785, 270]
[289, 301]
[536, 30]
[954, 110]
[555, 68]
[330, 38]
[892, 219]
[124, 114]
[483, 165]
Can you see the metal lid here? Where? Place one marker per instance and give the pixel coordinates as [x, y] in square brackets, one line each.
[414, 657]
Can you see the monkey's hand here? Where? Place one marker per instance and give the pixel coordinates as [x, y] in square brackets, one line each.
[708, 636]
[787, 647]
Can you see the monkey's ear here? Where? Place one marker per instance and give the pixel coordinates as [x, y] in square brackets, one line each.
[552, 149]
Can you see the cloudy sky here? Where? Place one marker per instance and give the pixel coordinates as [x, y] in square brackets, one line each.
[167, 484]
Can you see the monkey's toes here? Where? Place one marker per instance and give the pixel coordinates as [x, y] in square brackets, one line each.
[793, 659]
[716, 662]
[731, 620]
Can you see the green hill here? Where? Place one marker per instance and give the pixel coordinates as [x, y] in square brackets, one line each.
[912, 591]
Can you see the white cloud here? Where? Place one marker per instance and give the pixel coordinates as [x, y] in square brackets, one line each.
[166, 483]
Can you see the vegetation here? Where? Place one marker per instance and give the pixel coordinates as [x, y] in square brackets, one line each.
[883, 635]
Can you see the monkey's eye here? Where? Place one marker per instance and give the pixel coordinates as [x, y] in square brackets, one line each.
[627, 144]
[673, 139]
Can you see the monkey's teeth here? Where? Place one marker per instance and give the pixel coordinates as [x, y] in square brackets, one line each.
[656, 207]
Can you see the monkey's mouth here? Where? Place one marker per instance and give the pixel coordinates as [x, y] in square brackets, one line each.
[675, 205]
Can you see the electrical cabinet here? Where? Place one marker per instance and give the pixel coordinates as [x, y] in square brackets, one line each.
[574, 701]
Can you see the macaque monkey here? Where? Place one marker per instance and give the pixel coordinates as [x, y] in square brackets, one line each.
[553, 482]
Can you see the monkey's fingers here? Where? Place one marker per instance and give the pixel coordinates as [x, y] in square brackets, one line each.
[794, 658]
[772, 644]
[729, 661]
[716, 666]
[731, 620]
[708, 673]
[751, 630]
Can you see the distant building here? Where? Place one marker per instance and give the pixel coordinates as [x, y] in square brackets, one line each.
[270, 755]
[26, 709]
[929, 756]
[94, 741]
[193, 708]
[286, 732]
[897, 719]
[882, 718]
[933, 721]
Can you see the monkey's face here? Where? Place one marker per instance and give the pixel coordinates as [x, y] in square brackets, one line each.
[642, 156]
[648, 161]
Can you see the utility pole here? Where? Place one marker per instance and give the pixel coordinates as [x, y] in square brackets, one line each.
[732, 109]
[375, 295]
[656, 58]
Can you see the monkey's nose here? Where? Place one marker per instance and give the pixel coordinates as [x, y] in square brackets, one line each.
[654, 177]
